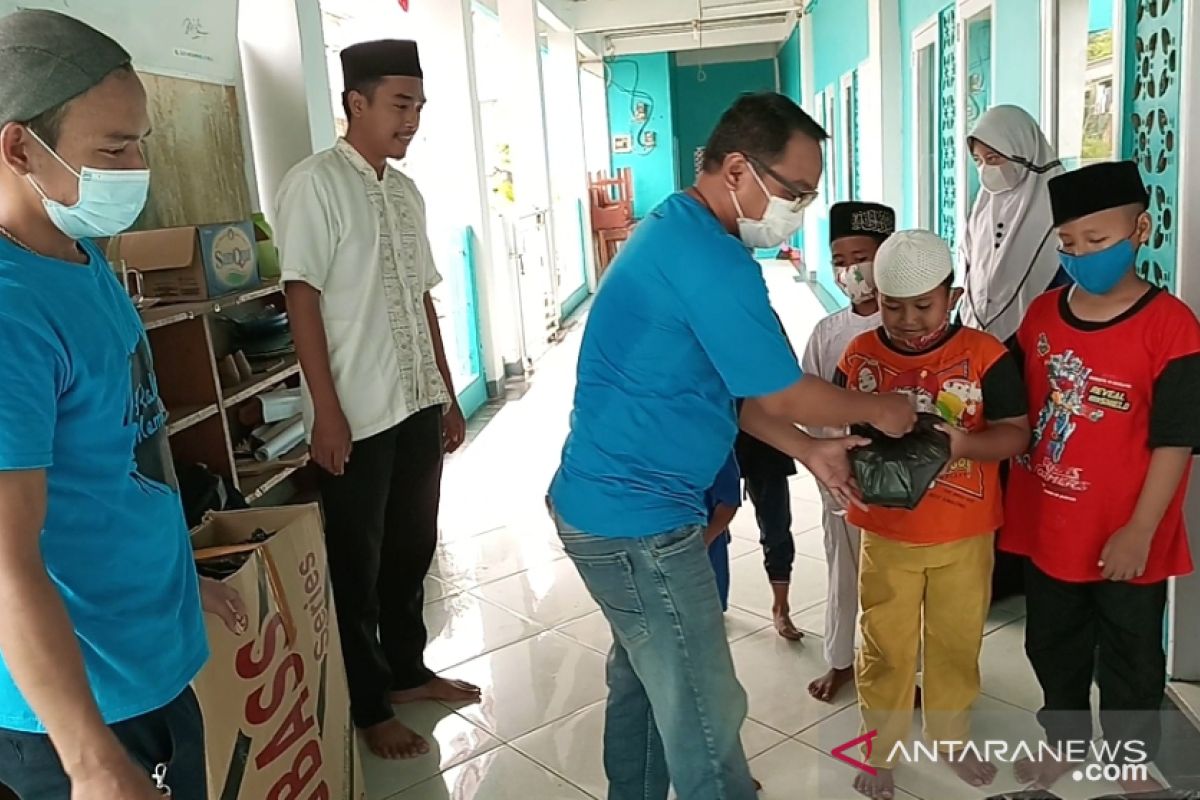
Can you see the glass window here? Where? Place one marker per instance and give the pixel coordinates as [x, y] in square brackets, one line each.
[1087, 80]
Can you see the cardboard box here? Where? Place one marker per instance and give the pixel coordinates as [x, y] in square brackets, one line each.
[276, 708]
[196, 262]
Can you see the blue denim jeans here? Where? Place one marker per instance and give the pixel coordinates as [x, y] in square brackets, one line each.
[675, 707]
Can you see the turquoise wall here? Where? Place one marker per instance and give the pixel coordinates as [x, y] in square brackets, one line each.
[643, 79]
[790, 70]
[698, 105]
[790, 84]
[840, 38]
[1018, 34]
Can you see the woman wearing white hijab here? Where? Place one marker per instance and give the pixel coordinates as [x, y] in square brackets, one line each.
[1010, 254]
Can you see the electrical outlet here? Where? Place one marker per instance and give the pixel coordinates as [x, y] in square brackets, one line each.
[639, 112]
[649, 140]
[622, 144]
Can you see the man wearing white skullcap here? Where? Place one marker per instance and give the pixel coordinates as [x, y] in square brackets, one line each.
[925, 574]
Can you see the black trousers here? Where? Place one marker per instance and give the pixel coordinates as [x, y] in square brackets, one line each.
[381, 533]
[773, 510]
[1008, 574]
[172, 736]
[1107, 630]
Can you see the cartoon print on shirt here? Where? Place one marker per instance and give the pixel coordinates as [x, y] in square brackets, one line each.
[946, 390]
[151, 453]
[959, 399]
[1057, 421]
[922, 385]
[868, 378]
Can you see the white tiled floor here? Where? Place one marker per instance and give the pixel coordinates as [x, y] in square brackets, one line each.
[507, 611]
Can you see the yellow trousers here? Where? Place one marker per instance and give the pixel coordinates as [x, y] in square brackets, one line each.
[928, 602]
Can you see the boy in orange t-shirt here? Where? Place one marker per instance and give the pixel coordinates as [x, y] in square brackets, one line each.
[925, 574]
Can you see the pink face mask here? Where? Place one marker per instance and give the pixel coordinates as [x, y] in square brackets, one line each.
[923, 343]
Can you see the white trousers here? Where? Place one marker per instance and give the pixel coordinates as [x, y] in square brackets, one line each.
[842, 543]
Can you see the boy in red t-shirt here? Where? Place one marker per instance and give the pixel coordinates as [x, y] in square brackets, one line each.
[925, 575]
[1112, 367]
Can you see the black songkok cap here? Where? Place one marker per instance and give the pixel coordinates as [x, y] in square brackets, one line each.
[861, 219]
[1095, 188]
[370, 61]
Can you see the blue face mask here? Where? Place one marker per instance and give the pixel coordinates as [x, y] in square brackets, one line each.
[1100, 272]
[110, 200]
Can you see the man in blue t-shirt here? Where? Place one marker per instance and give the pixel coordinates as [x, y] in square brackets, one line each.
[101, 632]
[680, 327]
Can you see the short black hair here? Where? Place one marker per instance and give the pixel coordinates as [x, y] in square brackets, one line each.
[759, 125]
[365, 87]
[48, 125]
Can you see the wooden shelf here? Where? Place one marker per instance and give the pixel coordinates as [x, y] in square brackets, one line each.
[255, 487]
[261, 382]
[180, 419]
[171, 313]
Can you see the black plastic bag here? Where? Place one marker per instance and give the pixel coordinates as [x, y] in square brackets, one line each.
[896, 473]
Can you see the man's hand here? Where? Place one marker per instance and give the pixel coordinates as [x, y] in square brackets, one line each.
[894, 414]
[454, 429]
[331, 442]
[828, 461]
[119, 780]
[224, 602]
[1124, 555]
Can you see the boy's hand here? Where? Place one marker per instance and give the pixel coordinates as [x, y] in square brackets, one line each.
[958, 441]
[1124, 555]
[225, 603]
[829, 463]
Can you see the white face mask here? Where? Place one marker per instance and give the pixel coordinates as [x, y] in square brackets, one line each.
[779, 221]
[998, 178]
[857, 281]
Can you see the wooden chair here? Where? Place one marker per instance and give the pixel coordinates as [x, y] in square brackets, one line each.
[611, 213]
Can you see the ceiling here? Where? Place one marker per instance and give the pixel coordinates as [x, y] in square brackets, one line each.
[645, 26]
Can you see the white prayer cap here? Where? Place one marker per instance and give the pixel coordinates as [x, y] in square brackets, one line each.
[912, 263]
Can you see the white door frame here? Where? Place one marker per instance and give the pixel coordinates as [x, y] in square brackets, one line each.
[833, 168]
[968, 10]
[1050, 71]
[849, 143]
[923, 37]
[1183, 634]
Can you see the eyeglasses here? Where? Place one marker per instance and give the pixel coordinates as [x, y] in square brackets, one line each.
[801, 198]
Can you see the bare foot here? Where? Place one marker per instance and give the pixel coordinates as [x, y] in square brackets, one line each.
[1137, 786]
[395, 741]
[826, 687]
[972, 769]
[784, 626]
[447, 691]
[1042, 774]
[880, 786]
